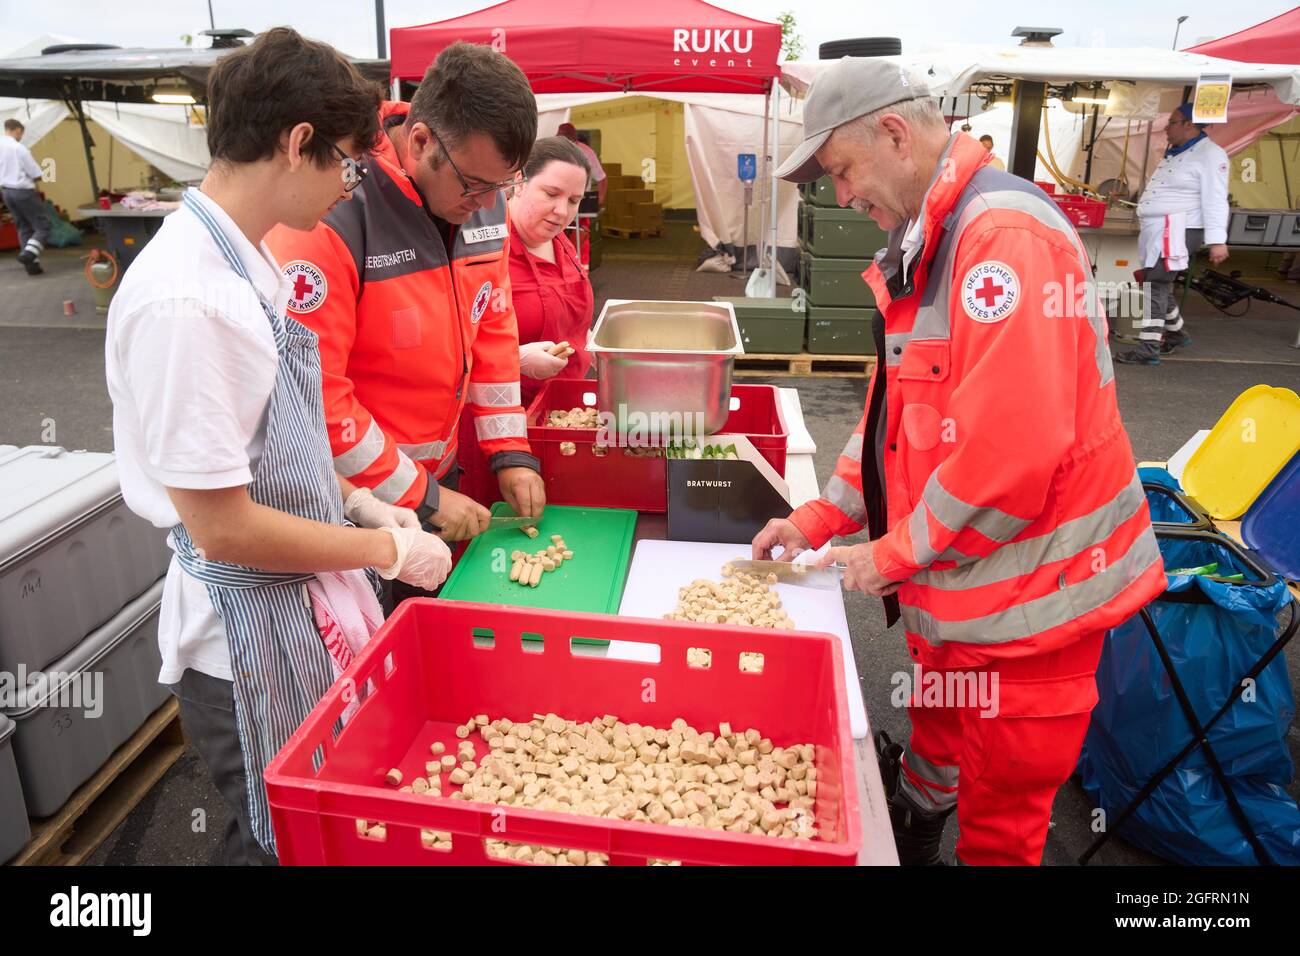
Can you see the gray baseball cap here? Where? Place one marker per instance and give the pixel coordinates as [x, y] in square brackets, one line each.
[849, 88]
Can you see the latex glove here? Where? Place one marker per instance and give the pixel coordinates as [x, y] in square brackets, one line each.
[536, 360]
[423, 559]
[366, 511]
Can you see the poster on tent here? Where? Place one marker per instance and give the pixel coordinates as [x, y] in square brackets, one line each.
[1212, 93]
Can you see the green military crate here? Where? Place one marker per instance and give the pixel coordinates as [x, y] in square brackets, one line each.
[835, 281]
[818, 193]
[768, 326]
[840, 331]
[840, 233]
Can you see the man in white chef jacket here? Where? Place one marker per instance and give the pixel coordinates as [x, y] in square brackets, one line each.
[1184, 205]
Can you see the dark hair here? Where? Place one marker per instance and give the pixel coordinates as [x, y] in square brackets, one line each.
[986, 136]
[279, 80]
[555, 149]
[473, 89]
[13, 124]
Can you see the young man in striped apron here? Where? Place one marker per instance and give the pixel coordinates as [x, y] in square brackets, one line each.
[220, 431]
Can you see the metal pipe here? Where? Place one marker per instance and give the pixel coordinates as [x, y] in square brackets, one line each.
[381, 40]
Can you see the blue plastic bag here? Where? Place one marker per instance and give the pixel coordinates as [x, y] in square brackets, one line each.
[1138, 725]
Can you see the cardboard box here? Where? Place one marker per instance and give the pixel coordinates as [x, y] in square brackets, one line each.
[728, 501]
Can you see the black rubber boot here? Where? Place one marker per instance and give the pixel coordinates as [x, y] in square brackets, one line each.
[917, 833]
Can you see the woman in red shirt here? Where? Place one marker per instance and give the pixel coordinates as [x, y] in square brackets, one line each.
[549, 287]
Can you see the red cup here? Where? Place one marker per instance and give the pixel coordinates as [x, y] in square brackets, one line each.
[105, 202]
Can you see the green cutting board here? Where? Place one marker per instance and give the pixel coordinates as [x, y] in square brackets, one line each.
[601, 541]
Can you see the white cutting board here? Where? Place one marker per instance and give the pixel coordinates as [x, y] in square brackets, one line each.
[659, 568]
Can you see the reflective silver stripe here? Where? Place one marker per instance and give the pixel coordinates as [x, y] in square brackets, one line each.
[395, 485]
[847, 498]
[361, 455]
[508, 425]
[938, 776]
[429, 450]
[1019, 558]
[494, 395]
[918, 527]
[932, 773]
[955, 514]
[1043, 613]
[853, 449]
[932, 322]
[894, 345]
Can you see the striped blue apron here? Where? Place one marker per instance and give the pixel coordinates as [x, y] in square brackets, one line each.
[280, 664]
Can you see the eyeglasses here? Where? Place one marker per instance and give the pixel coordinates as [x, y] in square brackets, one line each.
[353, 171]
[468, 192]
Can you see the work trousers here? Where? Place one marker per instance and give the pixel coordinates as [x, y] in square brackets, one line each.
[32, 218]
[1000, 757]
[1161, 316]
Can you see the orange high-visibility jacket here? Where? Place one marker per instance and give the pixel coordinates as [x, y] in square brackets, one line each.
[1011, 505]
[409, 332]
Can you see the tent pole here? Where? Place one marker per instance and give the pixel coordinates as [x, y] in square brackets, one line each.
[74, 105]
[771, 201]
[762, 232]
[1146, 156]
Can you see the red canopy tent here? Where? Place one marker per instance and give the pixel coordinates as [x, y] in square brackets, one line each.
[563, 46]
[586, 46]
[1273, 41]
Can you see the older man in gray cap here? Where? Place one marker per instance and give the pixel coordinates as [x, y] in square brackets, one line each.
[1009, 530]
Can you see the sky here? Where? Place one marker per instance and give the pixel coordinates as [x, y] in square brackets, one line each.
[350, 24]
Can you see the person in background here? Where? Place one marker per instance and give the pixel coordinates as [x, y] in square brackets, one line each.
[987, 142]
[409, 290]
[552, 295]
[220, 433]
[1184, 205]
[19, 174]
[597, 171]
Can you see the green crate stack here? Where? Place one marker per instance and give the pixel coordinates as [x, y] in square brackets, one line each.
[768, 326]
[836, 246]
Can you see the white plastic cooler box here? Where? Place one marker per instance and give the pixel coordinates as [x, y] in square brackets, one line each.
[14, 828]
[71, 553]
[86, 704]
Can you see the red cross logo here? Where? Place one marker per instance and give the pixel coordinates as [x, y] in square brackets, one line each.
[988, 292]
[307, 286]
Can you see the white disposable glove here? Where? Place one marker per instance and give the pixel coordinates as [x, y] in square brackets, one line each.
[536, 360]
[366, 511]
[423, 559]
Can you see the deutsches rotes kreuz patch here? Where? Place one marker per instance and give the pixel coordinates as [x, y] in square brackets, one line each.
[307, 286]
[481, 301]
[990, 291]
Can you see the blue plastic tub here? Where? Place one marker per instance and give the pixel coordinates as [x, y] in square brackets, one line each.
[1271, 526]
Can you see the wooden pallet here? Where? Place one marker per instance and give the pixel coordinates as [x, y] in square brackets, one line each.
[805, 365]
[69, 837]
[617, 233]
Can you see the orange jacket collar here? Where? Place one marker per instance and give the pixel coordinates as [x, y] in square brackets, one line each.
[385, 154]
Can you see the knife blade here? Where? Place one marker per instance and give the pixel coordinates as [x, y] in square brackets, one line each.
[495, 523]
[824, 579]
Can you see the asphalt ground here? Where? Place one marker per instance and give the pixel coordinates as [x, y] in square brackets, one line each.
[52, 375]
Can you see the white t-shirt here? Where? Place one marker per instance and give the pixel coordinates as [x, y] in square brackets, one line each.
[191, 361]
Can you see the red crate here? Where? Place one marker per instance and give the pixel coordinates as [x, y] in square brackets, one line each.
[615, 477]
[427, 671]
[1084, 211]
[1047, 187]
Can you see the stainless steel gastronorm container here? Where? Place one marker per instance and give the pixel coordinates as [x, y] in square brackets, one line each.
[664, 368]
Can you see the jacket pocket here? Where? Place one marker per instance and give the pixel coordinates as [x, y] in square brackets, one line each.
[925, 360]
[406, 328]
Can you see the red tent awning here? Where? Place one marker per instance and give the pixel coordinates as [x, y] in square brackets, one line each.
[1273, 41]
[580, 46]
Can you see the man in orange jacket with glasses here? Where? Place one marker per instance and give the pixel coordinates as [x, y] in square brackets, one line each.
[408, 287]
[990, 467]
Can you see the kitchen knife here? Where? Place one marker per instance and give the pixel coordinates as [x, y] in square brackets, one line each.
[825, 579]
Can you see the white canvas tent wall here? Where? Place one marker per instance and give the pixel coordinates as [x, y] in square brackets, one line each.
[718, 127]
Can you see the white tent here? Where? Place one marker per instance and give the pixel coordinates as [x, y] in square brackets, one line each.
[718, 127]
